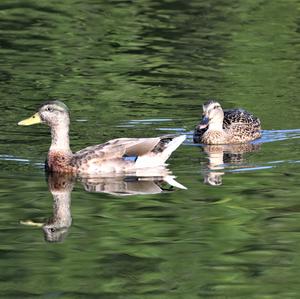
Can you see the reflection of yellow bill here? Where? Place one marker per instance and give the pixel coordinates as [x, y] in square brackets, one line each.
[34, 119]
[31, 223]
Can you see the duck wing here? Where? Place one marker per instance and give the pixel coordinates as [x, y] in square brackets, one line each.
[117, 148]
[144, 152]
[239, 117]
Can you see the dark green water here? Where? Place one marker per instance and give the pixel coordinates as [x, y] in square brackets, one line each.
[142, 69]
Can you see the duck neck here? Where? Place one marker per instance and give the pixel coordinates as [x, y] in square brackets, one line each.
[216, 126]
[215, 134]
[57, 226]
[60, 139]
[61, 209]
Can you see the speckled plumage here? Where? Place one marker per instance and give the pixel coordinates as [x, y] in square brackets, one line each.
[226, 127]
[115, 156]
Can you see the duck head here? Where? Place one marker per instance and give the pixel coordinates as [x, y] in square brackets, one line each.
[51, 113]
[213, 116]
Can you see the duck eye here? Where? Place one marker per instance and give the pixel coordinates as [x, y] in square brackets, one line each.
[50, 109]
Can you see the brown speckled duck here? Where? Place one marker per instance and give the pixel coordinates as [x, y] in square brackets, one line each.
[226, 127]
[115, 156]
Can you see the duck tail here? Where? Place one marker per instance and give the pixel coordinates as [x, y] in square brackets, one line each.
[160, 152]
[170, 179]
[167, 145]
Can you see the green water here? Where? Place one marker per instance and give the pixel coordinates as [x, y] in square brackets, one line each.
[142, 69]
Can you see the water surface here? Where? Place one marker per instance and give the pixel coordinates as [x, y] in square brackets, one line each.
[142, 69]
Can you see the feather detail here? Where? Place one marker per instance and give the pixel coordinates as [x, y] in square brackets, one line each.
[227, 127]
[110, 157]
[114, 156]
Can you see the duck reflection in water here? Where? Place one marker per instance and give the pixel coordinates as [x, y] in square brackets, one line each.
[56, 227]
[221, 157]
[61, 185]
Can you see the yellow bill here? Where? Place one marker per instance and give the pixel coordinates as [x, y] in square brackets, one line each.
[31, 223]
[34, 119]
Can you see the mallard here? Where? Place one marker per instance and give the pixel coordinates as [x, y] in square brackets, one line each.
[226, 127]
[115, 156]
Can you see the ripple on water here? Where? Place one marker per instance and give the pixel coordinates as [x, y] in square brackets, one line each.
[278, 135]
